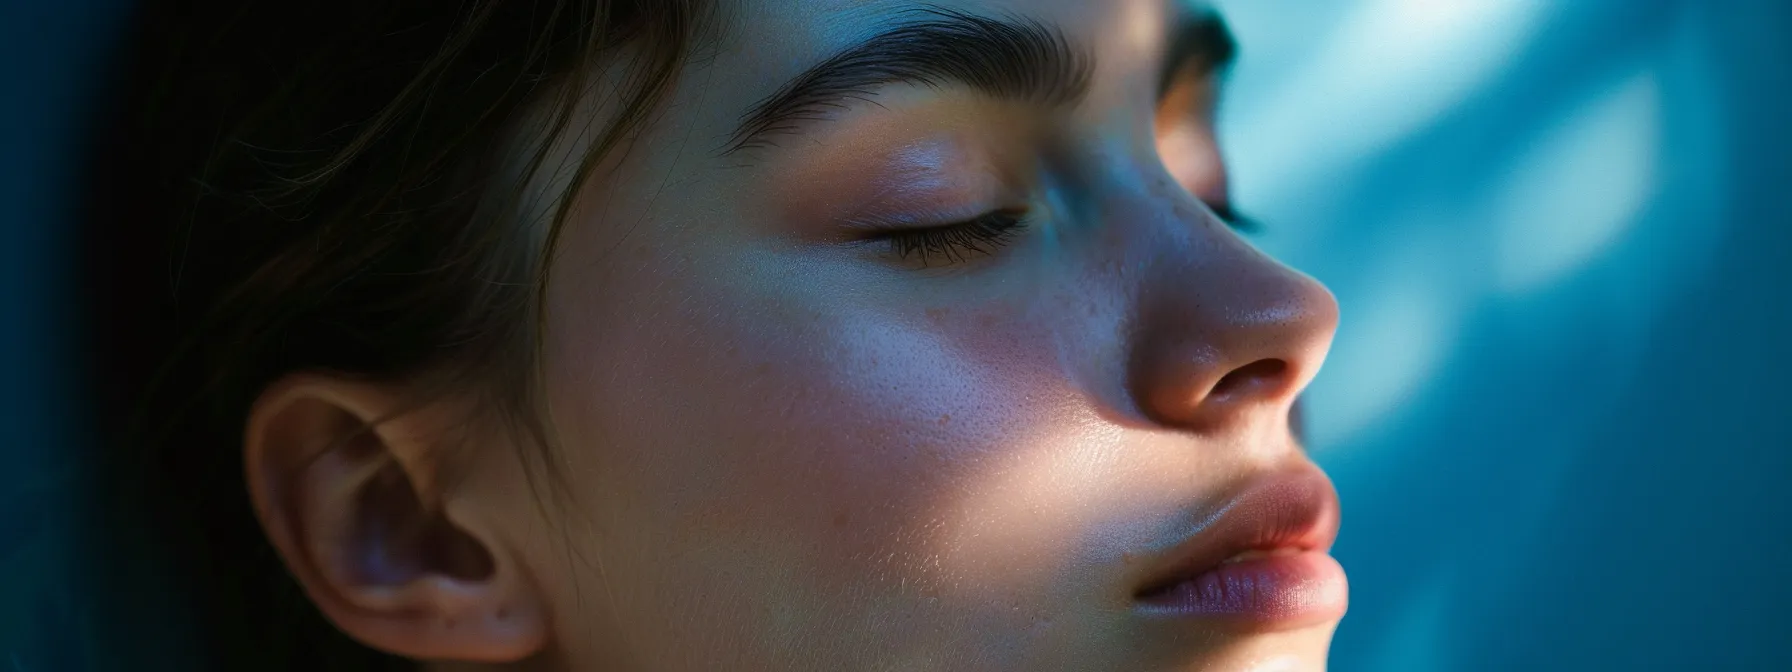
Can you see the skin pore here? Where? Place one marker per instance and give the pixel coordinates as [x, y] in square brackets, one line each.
[787, 443]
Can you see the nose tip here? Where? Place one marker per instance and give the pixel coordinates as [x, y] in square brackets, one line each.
[1215, 363]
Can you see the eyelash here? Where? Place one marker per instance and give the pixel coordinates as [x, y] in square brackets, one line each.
[993, 230]
[954, 242]
[1238, 221]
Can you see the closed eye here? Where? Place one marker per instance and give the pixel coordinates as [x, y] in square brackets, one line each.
[955, 243]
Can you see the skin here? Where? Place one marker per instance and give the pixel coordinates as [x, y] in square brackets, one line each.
[785, 451]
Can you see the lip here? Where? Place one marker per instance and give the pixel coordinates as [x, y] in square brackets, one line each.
[1290, 518]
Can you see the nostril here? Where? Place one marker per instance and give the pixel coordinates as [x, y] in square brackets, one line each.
[1253, 375]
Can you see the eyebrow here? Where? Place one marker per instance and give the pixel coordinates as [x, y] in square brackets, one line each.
[1015, 59]
[1011, 59]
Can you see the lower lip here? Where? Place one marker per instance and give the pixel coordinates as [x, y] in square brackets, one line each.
[1266, 593]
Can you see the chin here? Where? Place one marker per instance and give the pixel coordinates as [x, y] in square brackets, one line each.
[1302, 650]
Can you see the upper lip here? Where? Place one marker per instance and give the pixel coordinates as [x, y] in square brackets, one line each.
[1283, 510]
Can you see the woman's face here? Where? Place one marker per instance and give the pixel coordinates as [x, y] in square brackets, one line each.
[903, 340]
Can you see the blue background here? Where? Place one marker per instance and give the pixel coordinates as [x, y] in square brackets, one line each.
[50, 55]
[1560, 233]
[1556, 409]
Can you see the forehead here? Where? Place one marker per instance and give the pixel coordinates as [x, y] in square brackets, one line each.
[759, 45]
[769, 41]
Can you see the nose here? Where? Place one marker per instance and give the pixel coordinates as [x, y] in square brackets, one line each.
[1226, 335]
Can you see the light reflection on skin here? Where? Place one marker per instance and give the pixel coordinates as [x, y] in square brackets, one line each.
[923, 468]
[792, 454]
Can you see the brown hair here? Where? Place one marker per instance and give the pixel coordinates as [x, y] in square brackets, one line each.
[287, 186]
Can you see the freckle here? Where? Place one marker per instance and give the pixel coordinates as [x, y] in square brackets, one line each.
[449, 623]
[937, 314]
[503, 614]
[945, 419]
[840, 520]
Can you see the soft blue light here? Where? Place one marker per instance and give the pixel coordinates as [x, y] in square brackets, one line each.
[1561, 234]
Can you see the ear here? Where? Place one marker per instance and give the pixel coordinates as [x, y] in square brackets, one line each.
[346, 495]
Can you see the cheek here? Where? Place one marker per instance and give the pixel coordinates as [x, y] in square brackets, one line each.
[837, 439]
[746, 417]
[850, 422]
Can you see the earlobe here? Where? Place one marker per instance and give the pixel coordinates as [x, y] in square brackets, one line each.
[359, 520]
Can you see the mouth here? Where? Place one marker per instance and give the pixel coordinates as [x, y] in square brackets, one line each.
[1261, 562]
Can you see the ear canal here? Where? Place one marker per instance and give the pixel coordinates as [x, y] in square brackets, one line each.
[456, 553]
[398, 538]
